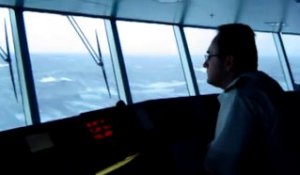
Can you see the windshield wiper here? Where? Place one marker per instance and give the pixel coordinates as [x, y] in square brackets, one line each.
[96, 57]
[101, 63]
[2, 53]
[7, 58]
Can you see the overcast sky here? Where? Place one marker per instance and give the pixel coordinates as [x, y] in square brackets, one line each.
[54, 33]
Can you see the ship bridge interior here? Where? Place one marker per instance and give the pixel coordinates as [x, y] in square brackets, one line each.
[119, 87]
[118, 42]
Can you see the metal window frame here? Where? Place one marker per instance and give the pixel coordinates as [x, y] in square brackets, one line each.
[118, 61]
[30, 104]
[186, 61]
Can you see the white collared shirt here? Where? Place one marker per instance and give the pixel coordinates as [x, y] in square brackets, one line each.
[245, 121]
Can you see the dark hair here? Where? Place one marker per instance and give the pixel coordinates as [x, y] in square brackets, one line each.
[238, 40]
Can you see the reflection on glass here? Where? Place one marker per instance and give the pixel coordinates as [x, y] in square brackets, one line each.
[11, 112]
[292, 47]
[198, 42]
[152, 61]
[68, 74]
[268, 60]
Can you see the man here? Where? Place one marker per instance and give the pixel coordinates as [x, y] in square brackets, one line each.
[248, 114]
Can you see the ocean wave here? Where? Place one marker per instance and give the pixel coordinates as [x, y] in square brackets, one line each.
[161, 85]
[3, 65]
[49, 79]
[156, 91]
[201, 69]
[100, 90]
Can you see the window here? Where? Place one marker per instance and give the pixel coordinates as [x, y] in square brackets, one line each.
[292, 47]
[268, 59]
[12, 114]
[70, 76]
[152, 61]
[198, 42]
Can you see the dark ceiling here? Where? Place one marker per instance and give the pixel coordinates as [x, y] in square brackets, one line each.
[262, 15]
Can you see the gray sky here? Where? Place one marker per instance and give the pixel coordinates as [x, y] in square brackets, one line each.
[48, 32]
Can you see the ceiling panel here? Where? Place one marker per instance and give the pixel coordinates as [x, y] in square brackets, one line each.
[211, 13]
[292, 19]
[263, 15]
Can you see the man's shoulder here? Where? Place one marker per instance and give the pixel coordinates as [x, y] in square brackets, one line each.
[253, 84]
[257, 80]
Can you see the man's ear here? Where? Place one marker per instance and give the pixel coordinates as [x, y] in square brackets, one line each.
[229, 63]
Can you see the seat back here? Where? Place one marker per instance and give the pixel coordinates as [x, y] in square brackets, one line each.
[290, 133]
[181, 129]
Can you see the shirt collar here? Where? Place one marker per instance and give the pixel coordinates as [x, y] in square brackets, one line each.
[237, 79]
[232, 83]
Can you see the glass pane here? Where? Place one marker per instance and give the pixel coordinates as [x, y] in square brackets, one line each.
[198, 42]
[268, 60]
[67, 79]
[12, 114]
[292, 47]
[152, 61]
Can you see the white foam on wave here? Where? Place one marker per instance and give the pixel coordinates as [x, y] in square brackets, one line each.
[3, 65]
[49, 79]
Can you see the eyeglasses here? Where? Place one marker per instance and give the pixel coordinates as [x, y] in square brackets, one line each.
[208, 56]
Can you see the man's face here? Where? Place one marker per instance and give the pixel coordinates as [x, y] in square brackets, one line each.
[214, 66]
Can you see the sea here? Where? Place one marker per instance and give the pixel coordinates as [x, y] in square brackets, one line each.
[69, 84]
